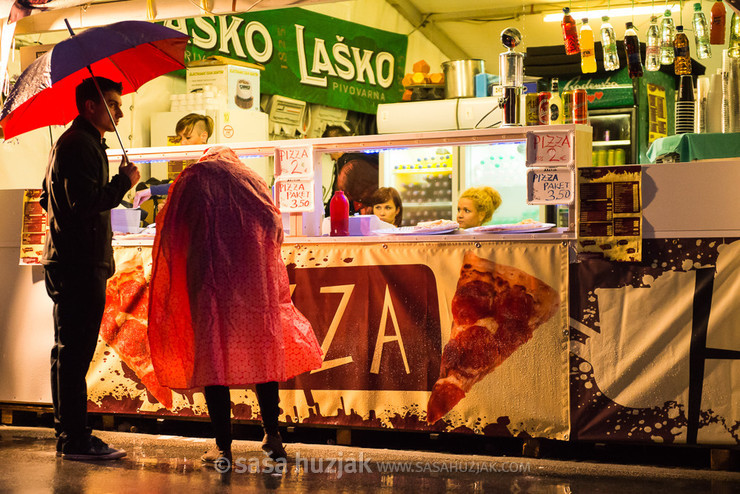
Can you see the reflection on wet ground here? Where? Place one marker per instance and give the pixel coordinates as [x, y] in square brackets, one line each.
[171, 464]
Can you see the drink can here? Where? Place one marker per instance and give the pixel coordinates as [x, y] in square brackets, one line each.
[601, 157]
[610, 157]
[619, 157]
[543, 107]
[580, 107]
[531, 110]
[568, 107]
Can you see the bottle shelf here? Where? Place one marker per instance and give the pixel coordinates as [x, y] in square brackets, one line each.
[444, 204]
[625, 142]
[423, 170]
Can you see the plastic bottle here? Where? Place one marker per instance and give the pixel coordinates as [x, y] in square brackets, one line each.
[632, 48]
[556, 105]
[701, 33]
[682, 59]
[652, 51]
[667, 34]
[733, 47]
[609, 45]
[717, 30]
[570, 33]
[588, 52]
[339, 214]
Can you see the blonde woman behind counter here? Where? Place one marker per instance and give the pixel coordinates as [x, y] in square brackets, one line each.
[476, 206]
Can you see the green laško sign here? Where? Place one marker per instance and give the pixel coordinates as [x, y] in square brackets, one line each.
[307, 56]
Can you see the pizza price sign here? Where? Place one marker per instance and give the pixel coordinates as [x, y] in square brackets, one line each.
[294, 161]
[550, 149]
[294, 195]
[550, 186]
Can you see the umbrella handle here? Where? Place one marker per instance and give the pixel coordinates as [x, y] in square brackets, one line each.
[102, 98]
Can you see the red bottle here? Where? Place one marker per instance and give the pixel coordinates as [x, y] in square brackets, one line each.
[570, 33]
[339, 214]
[632, 49]
[717, 28]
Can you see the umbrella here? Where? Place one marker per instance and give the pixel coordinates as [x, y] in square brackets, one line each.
[130, 52]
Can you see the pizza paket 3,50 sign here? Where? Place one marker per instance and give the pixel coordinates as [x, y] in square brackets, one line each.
[378, 326]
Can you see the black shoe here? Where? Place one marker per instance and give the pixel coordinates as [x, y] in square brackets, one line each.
[92, 450]
[272, 445]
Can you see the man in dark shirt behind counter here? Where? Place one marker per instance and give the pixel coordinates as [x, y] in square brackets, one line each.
[78, 257]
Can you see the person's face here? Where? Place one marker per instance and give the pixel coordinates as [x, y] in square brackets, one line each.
[386, 211]
[467, 214]
[198, 135]
[98, 115]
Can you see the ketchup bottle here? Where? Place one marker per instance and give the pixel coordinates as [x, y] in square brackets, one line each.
[339, 214]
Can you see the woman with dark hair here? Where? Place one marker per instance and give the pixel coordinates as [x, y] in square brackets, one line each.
[387, 205]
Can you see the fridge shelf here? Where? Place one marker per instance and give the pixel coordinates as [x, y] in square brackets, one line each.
[445, 204]
[625, 142]
[424, 170]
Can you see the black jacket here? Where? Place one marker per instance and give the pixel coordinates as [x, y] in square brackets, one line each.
[78, 198]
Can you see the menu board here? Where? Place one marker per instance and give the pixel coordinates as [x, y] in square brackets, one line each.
[610, 212]
[294, 195]
[550, 149]
[294, 184]
[550, 186]
[33, 230]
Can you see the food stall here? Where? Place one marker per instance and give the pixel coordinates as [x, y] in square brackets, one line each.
[637, 340]
[639, 351]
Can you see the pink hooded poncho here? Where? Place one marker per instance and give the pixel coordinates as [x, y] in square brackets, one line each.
[220, 311]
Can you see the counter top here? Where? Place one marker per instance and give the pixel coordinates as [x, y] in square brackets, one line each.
[548, 236]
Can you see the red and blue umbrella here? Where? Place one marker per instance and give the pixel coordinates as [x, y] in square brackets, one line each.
[130, 52]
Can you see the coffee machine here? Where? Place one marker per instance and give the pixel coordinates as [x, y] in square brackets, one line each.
[511, 77]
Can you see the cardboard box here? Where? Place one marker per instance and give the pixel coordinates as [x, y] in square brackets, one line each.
[229, 126]
[239, 82]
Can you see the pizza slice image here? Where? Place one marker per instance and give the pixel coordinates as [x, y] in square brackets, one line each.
[495, 310]
[124, 325]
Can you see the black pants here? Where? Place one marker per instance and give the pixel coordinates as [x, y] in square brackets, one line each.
[79, 300]
[219, 409]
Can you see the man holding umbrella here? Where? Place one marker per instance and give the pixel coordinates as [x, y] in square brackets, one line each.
[78, 257]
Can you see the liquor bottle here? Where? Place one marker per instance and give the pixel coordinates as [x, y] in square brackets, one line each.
[701, 33]
[652, 51]
[556, 105]
[733, 48]
[570, 33]
[632, 49]
[718, 16]
[339, 214]
[682, 59]
[588, 55]
[609, 45]
[667, 34]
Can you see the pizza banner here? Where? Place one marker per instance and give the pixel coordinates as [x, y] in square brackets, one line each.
[656, 345]
[440, 336]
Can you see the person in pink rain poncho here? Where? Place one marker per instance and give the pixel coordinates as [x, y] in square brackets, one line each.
[220, 312]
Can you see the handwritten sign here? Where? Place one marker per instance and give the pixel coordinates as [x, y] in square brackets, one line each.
[550, 186]
[294, 161]
[548, 149]
[294, 195]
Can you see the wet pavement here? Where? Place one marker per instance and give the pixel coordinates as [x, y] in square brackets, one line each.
[158, 463]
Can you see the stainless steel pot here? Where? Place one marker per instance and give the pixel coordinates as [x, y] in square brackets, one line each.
[460, 77]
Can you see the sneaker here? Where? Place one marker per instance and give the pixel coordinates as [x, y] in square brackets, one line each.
[93, 450]
[272, 444]
[214, 454]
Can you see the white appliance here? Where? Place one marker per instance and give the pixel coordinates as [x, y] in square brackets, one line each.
[442, 114]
